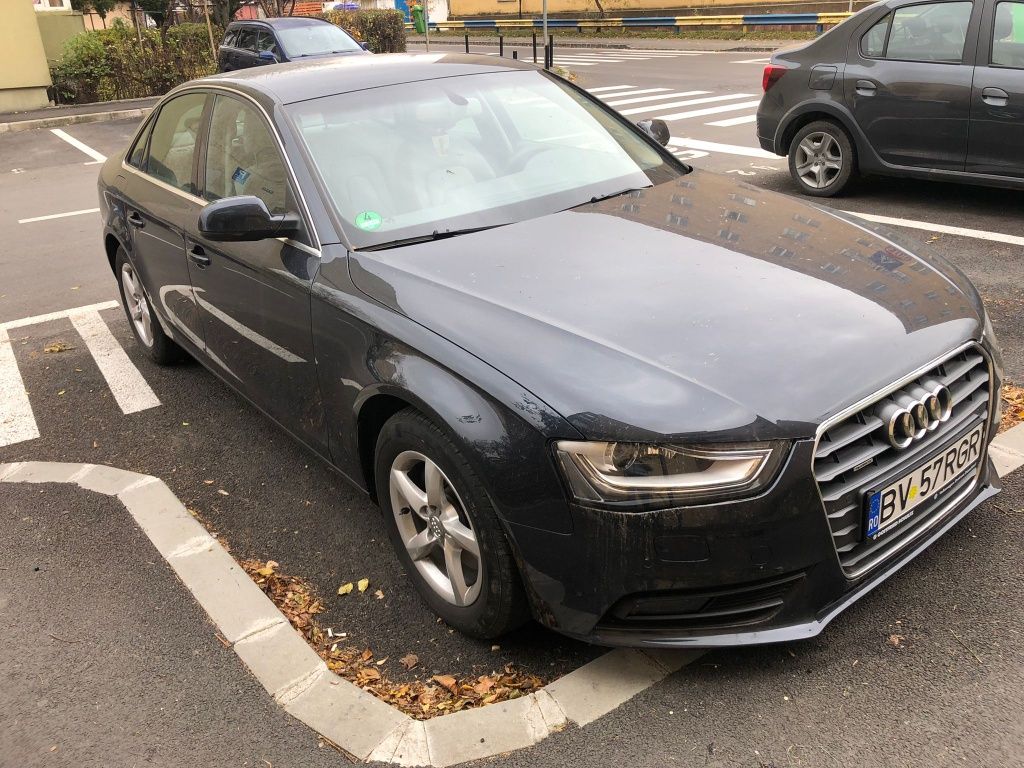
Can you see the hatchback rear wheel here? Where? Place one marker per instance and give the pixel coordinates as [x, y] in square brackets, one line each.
[822, 159]
[143, 320]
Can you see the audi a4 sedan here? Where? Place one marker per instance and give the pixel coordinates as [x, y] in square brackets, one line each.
[645, 404]
[929, 90]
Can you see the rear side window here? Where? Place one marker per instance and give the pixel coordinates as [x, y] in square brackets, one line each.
[246, 39]
[173, 143]
[929, 32]
[872, 44]
[1008, 35]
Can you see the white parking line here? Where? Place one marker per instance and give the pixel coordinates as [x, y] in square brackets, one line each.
[997, 237]
[729, 149]
[734, 121]
[17, 422]
[96, 156]
[658, 97]
[751, 61]
[710, 111]
[687, 103]
[604, 88]
[21, 323]
[635, 92]
[58, 215]
[130, 390]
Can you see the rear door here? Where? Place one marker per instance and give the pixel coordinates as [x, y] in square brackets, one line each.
[996, 144]
[161, 201]
[254, 297]
[908, 82]
[245, 48]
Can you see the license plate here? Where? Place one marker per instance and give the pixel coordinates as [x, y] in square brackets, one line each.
[896, 502]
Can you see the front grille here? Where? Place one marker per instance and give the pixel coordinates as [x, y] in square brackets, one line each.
[721, 609]
[853, 455]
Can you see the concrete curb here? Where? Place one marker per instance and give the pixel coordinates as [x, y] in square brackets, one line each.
[362, 725]
[292, 673]
[57, 121]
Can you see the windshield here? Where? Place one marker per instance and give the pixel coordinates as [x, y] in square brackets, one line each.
[458, 153]
[314, 40]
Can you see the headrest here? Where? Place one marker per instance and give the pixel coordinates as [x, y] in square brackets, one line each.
[1004, 22]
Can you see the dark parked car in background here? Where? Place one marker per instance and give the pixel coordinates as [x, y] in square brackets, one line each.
[930, 90]
[256, 42]
[650, 405]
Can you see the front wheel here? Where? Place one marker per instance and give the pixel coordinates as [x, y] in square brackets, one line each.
[445, 530]
[822, 159]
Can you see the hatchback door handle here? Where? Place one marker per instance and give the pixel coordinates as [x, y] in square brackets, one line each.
[997, 97]
[198, 255]
[136, 220]
[866, 88]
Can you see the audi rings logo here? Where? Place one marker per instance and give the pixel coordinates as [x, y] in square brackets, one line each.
[912, 413]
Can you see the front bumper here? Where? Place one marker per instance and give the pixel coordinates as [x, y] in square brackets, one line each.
[756, 571]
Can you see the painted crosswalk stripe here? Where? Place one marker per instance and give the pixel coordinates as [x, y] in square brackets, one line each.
[130, 390]
[17, 422]
[659, 97]
[604, 88]
[711, 146]
[710, 110]
[574, 63]
[752, 61]
[635, 92]
[687, 103]
[734, 121]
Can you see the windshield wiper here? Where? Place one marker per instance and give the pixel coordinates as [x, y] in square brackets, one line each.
[599, 198]
[435, 235]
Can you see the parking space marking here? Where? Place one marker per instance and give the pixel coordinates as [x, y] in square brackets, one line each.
[980, 234]
[97, 157]
[17, 422]
[129, 389]
[36, 319]
[733, 121]
[51, 216]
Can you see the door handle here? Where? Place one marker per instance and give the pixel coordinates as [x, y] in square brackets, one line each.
[199, 257]
[136, 220]
[866, 88]
[997, 97]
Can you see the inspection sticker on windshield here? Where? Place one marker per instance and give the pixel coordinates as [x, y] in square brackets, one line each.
[894, 503]
[369, 220]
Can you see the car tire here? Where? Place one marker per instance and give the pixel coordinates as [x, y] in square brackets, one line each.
[142, 319]
[485, 597]
[822, 159]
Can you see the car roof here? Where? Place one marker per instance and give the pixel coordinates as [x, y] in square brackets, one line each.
[281, 22]
[311, 79]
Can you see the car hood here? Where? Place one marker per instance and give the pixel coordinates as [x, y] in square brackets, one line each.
[699, 307]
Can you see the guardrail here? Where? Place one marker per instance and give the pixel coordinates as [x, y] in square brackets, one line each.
[818, 20]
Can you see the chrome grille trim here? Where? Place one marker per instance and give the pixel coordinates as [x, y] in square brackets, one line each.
[851, 456]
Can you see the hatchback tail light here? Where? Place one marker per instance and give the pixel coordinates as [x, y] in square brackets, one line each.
[772, 73]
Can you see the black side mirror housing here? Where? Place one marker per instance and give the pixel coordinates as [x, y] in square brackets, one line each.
[244, 219]
[365, 46]
[657, 130]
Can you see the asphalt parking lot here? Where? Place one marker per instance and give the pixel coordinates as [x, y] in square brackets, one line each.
[926, 671]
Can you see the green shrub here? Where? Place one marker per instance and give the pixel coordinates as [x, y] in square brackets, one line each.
[112, 64]
[384, 30]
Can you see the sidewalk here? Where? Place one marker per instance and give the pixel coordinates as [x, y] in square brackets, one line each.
[53, 117]
[477, 42]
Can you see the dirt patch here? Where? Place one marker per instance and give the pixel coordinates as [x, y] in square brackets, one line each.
[437, 695]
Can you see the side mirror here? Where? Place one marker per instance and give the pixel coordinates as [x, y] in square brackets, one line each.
[244, 219]
[268, 57]
[365, 46]
[657, 130]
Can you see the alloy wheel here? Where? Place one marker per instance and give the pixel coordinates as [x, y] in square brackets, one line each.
[136, 304]
[819, 159]
[435, 528]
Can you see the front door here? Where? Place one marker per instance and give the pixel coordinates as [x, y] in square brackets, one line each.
[161, 186]
[908, 83]
[997, 109]
[254, 298]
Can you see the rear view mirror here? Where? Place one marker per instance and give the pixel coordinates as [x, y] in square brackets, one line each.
[244, 218]
[269, 57]
[657, 130]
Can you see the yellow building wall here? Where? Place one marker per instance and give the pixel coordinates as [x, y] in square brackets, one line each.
[56, 28]
[497, 8]
[24, 75]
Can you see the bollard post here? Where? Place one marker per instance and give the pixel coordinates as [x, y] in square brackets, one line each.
[551, 50]
[467, 42]
[534, 47]
[501, 46]
[515, 54]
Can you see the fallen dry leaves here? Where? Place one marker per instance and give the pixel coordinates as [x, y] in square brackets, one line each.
[56, 347]
[421, 699]
[1013, 406]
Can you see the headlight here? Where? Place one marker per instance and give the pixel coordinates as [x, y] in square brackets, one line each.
[637, 472]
